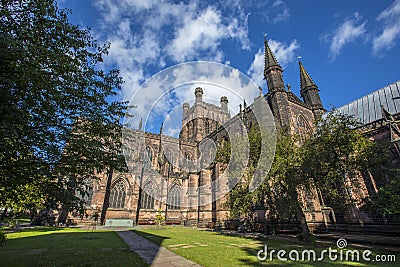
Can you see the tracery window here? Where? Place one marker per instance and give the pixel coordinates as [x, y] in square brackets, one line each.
[190, 129]
[148, 158]
[207, 126]
[187, 161]
[148, 194]
[303, 128]
[118, 195]
[170, 157]
[174, 198]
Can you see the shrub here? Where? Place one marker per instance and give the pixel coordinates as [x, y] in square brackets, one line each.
[160, 219]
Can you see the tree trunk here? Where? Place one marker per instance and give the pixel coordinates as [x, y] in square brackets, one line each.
[302, 218]
[3, 214]
[106, 201]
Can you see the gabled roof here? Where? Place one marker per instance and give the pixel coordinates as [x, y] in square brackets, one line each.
[293, 98]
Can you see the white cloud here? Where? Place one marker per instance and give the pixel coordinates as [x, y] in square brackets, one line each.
[172, 131]
[202, 34]
[197, 34]
[390, 19]
[284, 54]
[142, 4]
[274, 11]
[256, 69]
[146, 36]
[156, 101]
[392, 11]
[348, 31]
[283, 13]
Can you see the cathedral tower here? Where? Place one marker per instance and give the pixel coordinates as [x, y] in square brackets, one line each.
[310, 93]
[277, 94]
[202, 118]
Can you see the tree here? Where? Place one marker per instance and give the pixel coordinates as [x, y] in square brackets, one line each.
[279, 190]
[386, 202]
[240, 200]
[335, 156]
[59, 120]
[329, 161]
[286, 184]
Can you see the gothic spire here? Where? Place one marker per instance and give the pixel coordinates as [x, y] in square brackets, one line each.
[305, 79]
[269, 57]
[310, 92]
[272, 71]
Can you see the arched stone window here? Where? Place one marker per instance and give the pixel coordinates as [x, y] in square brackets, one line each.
[207, 126]
[148, 158]
[170, 156]
[150, 191]
[118, 195]
[190, 128]
[303, 127]
[174, 198]
[187, 160]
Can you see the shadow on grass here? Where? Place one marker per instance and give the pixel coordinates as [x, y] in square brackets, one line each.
[75, 248]
[156, 239]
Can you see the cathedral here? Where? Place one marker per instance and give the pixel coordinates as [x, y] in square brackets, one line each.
[193, 198]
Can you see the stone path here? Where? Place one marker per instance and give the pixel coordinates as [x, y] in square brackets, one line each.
[153, 254]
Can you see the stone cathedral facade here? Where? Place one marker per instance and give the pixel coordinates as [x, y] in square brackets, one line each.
[187, 191]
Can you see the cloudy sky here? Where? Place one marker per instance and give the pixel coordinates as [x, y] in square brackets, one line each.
[350, 48]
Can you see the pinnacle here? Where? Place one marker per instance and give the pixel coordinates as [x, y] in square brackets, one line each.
[270, 59]
[305, 78]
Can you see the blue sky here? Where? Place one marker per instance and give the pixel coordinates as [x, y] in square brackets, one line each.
[350, 48]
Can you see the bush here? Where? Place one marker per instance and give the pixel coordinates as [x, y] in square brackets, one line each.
[160, 219]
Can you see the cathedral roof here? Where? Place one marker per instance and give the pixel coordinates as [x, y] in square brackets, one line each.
[293, 98]
[369, 108]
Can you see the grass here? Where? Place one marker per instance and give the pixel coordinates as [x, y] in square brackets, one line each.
[213, 249]
[49, 246]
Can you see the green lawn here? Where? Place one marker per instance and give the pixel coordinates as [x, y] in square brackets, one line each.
[47, 246]
[213, 249]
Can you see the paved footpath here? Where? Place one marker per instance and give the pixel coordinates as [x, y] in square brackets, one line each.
[153, 254]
